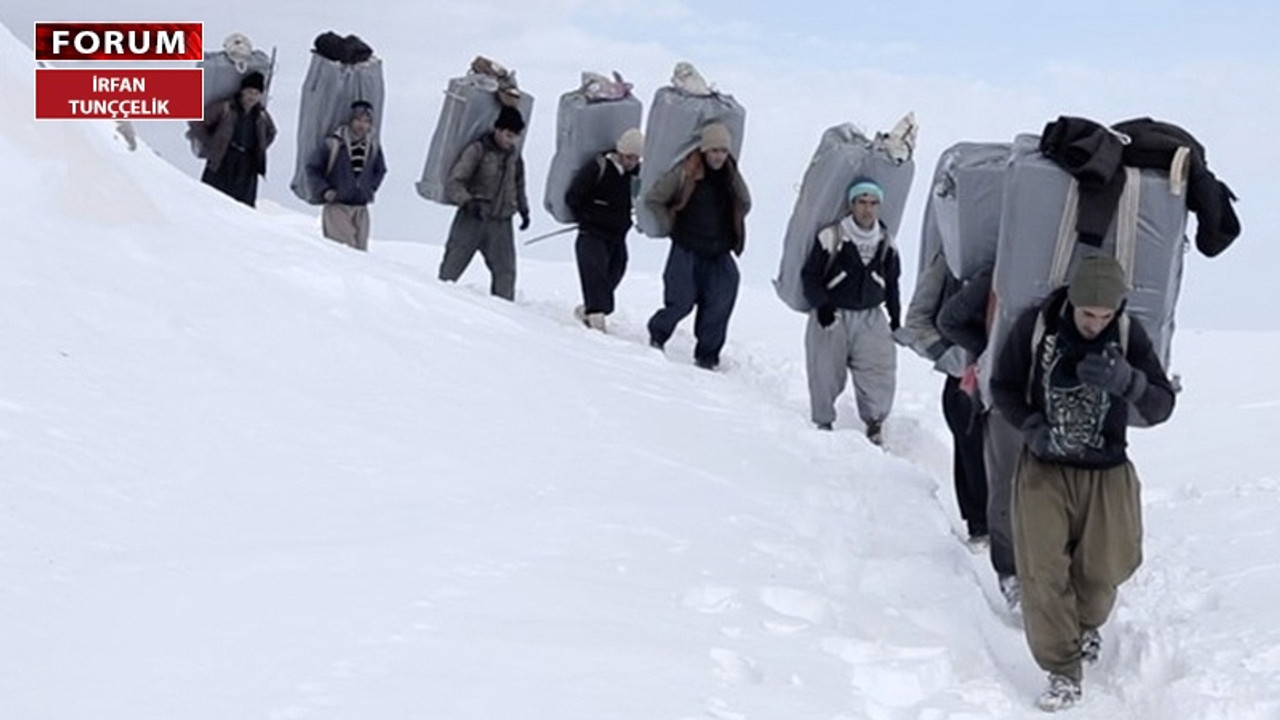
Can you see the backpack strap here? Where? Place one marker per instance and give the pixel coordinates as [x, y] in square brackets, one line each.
[1037, 334]
[334, 144]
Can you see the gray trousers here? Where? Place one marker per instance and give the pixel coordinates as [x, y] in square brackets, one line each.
[494, 239]
[348, 224]
[1078, 535]
[858, 343]
[1001, 446]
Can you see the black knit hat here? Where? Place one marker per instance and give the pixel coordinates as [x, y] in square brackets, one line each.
[253, 80]
[361, 107]
[509, 119]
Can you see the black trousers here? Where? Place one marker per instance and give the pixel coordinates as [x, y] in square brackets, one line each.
[602, 261]
[968, 467]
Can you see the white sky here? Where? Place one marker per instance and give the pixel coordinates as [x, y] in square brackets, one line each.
[249, 473]
[970, 71]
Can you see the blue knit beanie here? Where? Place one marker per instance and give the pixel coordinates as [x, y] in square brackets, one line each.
[865, 186]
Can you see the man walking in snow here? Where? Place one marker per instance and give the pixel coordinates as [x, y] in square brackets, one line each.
[702, 204]
[1068, 374]
[850, 279]
[235, 135]
[600, 197]
[346, 171]
[487, 184]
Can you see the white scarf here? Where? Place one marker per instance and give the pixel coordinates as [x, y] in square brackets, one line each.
[865, 240]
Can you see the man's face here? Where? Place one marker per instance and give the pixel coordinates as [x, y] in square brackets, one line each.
[505, 139]
[249, 97]
[361, 125]
[629, 162]
[716, 157]
[1091, 321]
[866, 211]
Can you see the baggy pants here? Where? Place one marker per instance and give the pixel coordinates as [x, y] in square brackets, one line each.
[602, 261]
[495, 240]
[1078, 535]
[709, 284]
[348, 224]
[860, 344]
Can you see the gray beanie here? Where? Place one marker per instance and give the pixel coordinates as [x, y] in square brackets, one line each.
[1098, 282]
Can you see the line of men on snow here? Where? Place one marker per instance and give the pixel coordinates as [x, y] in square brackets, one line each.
[1041, 472]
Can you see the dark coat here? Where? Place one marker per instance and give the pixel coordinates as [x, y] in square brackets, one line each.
[215, 132]
[1042, 380]
[600, 198]
[672, 193]
[1096, 155]
[861, 286]
[352, 188]
[962, 318]
[486, 172]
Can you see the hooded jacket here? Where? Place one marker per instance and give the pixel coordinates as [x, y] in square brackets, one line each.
[1087, 423]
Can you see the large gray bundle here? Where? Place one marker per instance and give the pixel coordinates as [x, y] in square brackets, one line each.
[676, 119]
[327, 93]
[964, 205]
[469, 110]
[1038, 250]
[844, 154]
[222, 74]
[584, 129]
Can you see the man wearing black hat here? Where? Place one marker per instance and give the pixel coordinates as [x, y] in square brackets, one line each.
[345, 172]
[235, 135]
[487, 185]
[1068, 374]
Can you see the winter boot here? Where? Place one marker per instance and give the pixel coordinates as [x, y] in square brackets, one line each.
[1090, 645]
[875, 433]
[1062, 693]
[1011, 589]
[595, 321]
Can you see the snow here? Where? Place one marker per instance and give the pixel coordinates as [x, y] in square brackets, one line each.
[250, 473]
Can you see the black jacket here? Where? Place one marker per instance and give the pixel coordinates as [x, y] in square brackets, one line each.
[863, 286]
[962, 319]
[1090, 424]
[600, 198]
[1096, 156]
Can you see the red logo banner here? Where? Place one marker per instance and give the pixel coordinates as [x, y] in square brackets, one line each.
[119, 41]
[147, 94]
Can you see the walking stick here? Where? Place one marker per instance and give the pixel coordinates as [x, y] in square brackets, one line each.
[544, 236]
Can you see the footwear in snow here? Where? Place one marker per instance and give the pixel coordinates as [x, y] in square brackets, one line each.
[595, 321]
[875, 433]
[1062, 693]
[1011, 589]
[823, 426]
[1090, 645]
[978, 543]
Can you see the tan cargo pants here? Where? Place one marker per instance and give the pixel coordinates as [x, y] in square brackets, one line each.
[1077, 535]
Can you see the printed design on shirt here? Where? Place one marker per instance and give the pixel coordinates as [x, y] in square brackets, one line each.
[1075, 411]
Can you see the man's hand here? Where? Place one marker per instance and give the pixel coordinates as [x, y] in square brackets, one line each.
[1108, 370]
[524, 221]
[330, 195]
[826, 315]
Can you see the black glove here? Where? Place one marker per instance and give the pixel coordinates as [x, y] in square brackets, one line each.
[1037, 435]
[826, 315]
[476, 207]
[524, 221]
[1108, 370]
